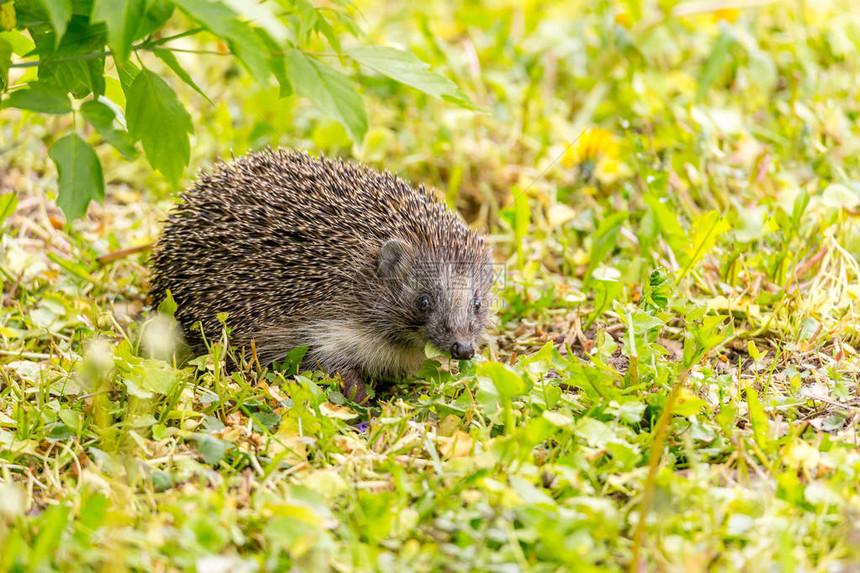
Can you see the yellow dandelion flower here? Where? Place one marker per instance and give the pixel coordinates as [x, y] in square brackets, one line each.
[624, 19]
[592, 145]
[727, 14]
[609, 170]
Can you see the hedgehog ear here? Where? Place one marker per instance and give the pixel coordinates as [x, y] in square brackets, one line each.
[392, 258]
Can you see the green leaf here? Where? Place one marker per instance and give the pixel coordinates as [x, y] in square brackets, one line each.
[239, 36]
[75, 65]
[667, 220]
[432, 351]
[53, 522]
[752, 350]
[606, 291]
[658, 290]
[122, 18]
[21, 44]
[144, 377]
[540, 362]
[71, 267]
[102, 117]
[211, 449]
[260, 14]
[702, 338]
[603, 241]
[59, 13]
[763, 70]
[160, 480]
[799, 207]
[168, 58]
[691, 406]
[293, 362]
[326, 30]
[706, 230]
[277, 65]
[168, 306]
[349, 24]
[157, 119]
[127, 73]
[158, 12]
[93, 511]
[407, 69]
[80, 175]
[13, 546]
[41, 98]
[287, 531]
[5, 62]
[519, 217]
[839, 196]
[8, 18]
[522, 220]
[758, 419]
[718, 60]
[80, 77]
[150, 377]
[331, 91]
[508, 383]
[268, 420]
[279, 70]
[488, 397]
[594, 432]
[308, 16]
[644, 322]
[8, 202]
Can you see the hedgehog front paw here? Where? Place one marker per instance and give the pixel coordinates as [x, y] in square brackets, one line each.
[354, 387]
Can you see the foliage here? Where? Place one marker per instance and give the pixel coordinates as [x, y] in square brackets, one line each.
[67, 47]
[672, 190]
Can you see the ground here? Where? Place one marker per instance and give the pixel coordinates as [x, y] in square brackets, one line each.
[670, 383]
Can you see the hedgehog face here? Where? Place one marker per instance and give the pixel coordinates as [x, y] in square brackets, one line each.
[443, 302]
[458, 310]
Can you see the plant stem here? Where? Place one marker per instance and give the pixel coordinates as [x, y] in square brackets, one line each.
[155, 46]
[145, 45]
[654, 457]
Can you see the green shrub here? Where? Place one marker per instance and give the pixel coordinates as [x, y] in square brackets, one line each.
[66, 46]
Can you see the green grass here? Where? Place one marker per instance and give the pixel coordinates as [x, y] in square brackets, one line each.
[671, 381]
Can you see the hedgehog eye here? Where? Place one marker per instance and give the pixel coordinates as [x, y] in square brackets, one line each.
[476, 304]
[422, 302]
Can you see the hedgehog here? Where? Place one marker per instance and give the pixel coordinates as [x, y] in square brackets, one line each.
[355, 264]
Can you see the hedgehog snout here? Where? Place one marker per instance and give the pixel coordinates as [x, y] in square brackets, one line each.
[457, 332]
[462, 350]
